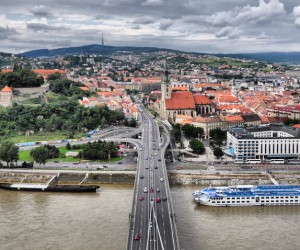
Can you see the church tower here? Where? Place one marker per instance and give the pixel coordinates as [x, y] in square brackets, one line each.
[166, 93]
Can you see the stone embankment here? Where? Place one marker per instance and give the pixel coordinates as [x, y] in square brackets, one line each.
[67, 178]
[175, 178]
[225, 179]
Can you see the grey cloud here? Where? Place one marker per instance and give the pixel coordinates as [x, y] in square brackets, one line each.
[253, 14]
[153, 2]
[6, 33]
[43, 27]
[41, 11]
[204, 26]
[136, 27]
[229, 32]
[165, 24]
[144, 20]
[297, 22]
[263, 36]
[296, 11]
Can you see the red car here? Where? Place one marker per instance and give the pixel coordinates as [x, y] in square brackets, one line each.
[141, 198]
[158, 200]
[137, 237]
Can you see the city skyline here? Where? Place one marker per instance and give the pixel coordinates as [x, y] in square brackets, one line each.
[199, 26]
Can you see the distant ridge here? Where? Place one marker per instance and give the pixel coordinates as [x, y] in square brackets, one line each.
[106, 50]
[271, 57]
[90, 49]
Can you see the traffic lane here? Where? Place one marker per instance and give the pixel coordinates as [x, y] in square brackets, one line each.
[144, 213]
[159, 211]
[141, 220]
[164, 220]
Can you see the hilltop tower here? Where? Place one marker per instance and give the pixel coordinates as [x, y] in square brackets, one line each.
[166, 92]
[102, 40]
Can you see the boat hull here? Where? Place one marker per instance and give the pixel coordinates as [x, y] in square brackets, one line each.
[55, 188]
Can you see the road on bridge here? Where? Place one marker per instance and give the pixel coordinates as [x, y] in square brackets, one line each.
[152, 219]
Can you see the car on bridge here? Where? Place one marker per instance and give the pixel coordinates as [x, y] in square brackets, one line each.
[141, 198]
[161, 179]
[142, 177]
[157, 190]
[158, 200]
[137, 237]
[145, 190]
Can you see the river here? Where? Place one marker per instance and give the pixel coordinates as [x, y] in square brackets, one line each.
[65, 221]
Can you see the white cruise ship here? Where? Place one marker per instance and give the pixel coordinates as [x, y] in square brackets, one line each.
[249, 195]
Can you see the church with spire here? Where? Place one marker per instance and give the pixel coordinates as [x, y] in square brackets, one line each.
[181, 102]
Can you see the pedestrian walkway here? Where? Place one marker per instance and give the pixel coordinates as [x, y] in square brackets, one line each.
[271, 177]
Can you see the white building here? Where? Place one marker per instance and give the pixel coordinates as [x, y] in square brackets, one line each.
[264, 142]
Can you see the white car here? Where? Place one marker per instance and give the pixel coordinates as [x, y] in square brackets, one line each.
[161, 179]
[145, 190]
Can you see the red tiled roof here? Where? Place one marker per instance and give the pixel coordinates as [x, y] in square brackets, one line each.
[133, 108]
[84, 88]
[296, 126]
[201, 100]
[264, 119]
[6, 70]
[181, 100]
[234, 119]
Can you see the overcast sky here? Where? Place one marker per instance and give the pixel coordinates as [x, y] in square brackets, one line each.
[209, 26]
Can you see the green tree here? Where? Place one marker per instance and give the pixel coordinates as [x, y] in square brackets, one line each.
[54, 76]
[40, 154]
[217, 133]
[197, 146]
[218, 152]
[133, 123]
[53, 151]
[177, 132]
[9, 152]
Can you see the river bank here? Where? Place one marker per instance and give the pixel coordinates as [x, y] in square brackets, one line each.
[201, 178]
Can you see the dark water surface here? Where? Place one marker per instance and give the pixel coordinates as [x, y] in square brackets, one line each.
[62, 221]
